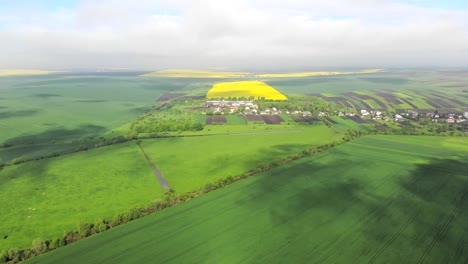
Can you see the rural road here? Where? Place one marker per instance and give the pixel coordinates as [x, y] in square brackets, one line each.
[156, 172]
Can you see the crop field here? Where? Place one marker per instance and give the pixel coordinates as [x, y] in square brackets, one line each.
[210, 120]
[379, 90]
[247, 89]
[206, 159]
[181, 73]
[343, 124]
[236, 120]
[42, 199]
[254, 118]
[57, 108]
[26, 152]
[23, 72]
[312, 74]
[305, 119]
[378, 199]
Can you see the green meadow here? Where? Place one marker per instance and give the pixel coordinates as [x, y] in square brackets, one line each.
[188, 163]
[378, 199]
[59, 108]
[43, 199]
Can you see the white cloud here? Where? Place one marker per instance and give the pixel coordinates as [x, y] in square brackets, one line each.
[242, 34]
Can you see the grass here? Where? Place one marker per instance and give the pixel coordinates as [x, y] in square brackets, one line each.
[62, 108]
[384, 199]
[42, 199]
[181, 73]
[247, 89]
[208, 158]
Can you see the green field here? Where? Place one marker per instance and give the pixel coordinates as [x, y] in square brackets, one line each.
[55, 108]
[58, 114]
[378, 199]
[119, 172]
[236, 120]
[188, 163]
[42, 199]
[424, 90]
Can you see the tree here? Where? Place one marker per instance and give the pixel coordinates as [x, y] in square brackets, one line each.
[39, 246]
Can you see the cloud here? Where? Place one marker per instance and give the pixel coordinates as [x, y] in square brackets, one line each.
[253, 35]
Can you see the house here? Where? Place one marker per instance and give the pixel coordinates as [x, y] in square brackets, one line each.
[399, 118]
[465, 114]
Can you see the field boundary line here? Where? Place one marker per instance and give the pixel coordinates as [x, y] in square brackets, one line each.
[156, 172]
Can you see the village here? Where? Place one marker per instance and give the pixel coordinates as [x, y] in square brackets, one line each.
[249, 107]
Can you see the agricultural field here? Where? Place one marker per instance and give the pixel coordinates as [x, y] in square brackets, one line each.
[181, 73]
[43, 199]
[386, 91]
[246, 89]
[208, 158]
[60, 108]
[378, 199]
[47, 116]
[23, 72]
[313, 74]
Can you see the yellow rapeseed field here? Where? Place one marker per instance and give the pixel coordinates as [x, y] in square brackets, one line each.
[23, 72]
[247, 89]
[311, 74]
[195, 74]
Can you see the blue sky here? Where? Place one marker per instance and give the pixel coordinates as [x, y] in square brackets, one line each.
[232, 33]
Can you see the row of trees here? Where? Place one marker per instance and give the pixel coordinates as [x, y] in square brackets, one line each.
[300, 103]
[40, 246]
[155, 125]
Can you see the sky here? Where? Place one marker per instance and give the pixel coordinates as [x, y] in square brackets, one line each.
[261, 35]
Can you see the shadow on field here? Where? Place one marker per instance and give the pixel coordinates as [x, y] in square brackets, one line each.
[46, 95]
[20, 113]
[56, 134]
[385, 80]
[428, 180]
[421, 215]
[309, 188]
[433, 208]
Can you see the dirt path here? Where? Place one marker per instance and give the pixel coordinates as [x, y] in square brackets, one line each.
[156, 172]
